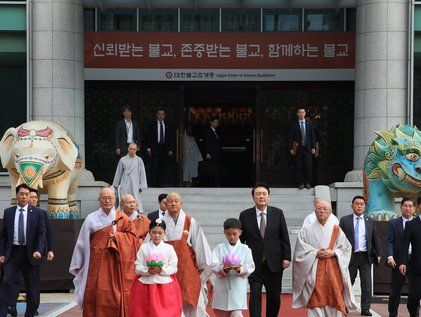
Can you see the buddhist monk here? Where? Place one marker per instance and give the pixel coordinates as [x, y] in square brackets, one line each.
[103, 260]
[192, 248]
[141, 222]
[321, 279]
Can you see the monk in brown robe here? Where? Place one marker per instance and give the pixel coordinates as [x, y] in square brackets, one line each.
[320, 269]
[141, 222]
[103, 260]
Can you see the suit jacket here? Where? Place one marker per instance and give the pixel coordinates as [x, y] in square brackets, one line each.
[373, 243]
[394, 236]
[275, 244]
[152, 139]
[295, 135]
[212, 145]
[152, 216]
[412, 234]
[48, 234]
[35, 233]
[121, 134]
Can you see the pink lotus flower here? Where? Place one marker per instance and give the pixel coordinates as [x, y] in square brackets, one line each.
[155, 260]
[231, 260]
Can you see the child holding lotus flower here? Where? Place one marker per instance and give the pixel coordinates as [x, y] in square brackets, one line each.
[156, 292]
[232, 263]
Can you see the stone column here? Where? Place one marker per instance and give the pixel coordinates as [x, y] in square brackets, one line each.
[57, 65]
[381, 65]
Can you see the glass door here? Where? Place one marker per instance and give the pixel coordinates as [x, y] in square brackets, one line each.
[330, 106]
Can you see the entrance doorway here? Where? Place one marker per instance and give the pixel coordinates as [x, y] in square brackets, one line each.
[255, 120]
[234, 106]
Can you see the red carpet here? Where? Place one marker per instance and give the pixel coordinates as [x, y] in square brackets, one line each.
[286, 309]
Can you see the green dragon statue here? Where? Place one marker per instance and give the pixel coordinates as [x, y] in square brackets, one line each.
[392, 168]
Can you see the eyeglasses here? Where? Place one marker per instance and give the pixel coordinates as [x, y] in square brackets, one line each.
[105, 198]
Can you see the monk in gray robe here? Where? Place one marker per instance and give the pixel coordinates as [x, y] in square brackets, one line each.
[130, 176]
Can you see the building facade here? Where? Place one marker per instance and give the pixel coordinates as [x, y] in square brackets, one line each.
[351, 64]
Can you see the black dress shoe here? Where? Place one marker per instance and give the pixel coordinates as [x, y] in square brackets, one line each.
[36, 313]
[12, 311]
[366, 312]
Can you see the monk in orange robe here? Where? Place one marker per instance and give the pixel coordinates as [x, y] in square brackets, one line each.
[141, 222]
[103, 260]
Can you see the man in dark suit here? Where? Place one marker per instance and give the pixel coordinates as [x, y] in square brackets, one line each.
[302, 144]
[213, 150]
[361, 233]
[160, 213]
[33, 200]
[159, 146]
[412, 236]
[266, 233]
[126, 132]
[393, 242]
[22, 242]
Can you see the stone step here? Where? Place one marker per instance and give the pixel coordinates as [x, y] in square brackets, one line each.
[226, 191]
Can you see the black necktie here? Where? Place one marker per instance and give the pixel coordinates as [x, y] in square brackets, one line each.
[161, 133]
[21, 228]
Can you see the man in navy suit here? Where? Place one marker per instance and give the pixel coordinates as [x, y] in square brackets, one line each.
[303, 136]
[213, 150]
[160, 213]
[266, 234]
[22, 241]
[393, 242]
[126, 132]
[361, 233]
[33, 200]
[412, 237]
[159, 146]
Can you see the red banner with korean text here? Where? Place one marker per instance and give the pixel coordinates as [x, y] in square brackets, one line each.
[289, 50]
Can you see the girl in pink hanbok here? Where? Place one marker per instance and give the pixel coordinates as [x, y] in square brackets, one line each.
[156, 293]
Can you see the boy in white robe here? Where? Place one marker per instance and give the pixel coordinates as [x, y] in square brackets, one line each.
[230, 290]
[130, 176]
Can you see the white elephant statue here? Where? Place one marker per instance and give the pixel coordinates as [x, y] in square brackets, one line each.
[44, 155]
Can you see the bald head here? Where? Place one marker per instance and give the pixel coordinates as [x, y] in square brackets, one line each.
[323, 211]
[132, 148]
[129, 204]
[106, 199]
[317, 199]
[174, 204]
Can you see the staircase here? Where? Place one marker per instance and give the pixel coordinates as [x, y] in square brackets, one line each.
[211, 206]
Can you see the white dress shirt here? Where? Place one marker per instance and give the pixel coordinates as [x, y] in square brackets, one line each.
[303, 123]
[16, 225]
[362, 247]
[159, 126]
[161, 213]
[170, 263]
[259, 218]
[214, 132]
[129, 129]
[404, 221]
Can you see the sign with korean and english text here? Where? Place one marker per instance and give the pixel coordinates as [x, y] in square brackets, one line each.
[288, 50]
